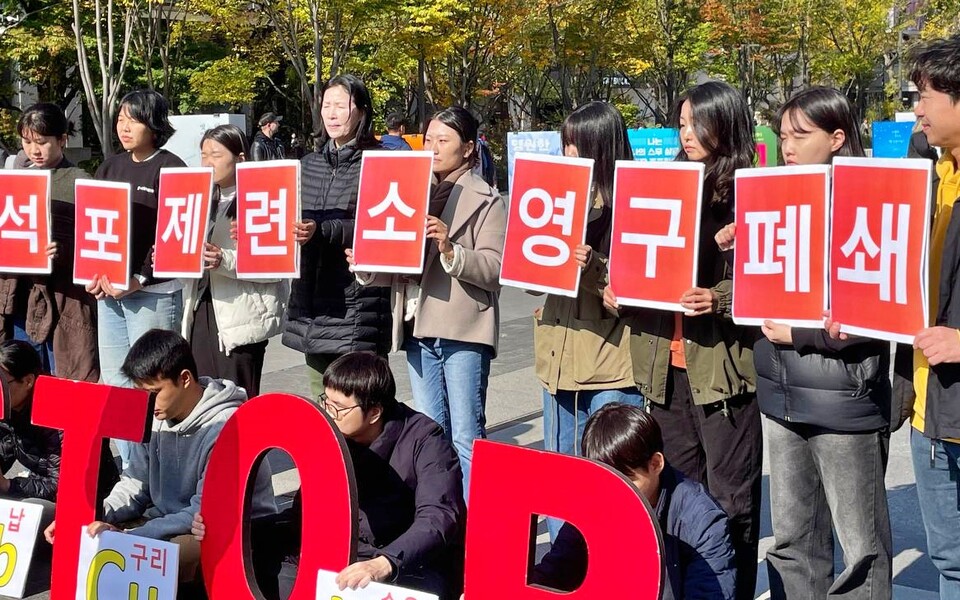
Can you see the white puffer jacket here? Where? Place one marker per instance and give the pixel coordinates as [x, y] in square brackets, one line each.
[247, 311]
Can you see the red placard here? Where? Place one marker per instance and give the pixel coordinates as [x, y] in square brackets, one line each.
[268, 204]
[102, 232]
[25, 221]
[549, 202]
[183, 217]
[780, 257]
[879, 245]
[391, 211]
[655, 230]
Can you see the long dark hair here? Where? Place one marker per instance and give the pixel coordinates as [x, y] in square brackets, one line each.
[151, 109]
[724, 127]
[234, 140]
[20, 359]
[829, 110]
[361, 101]
[598, 131]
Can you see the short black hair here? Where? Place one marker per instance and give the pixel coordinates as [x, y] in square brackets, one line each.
[151, 109]
[365, 376]
[159, 354]
[44, 119]
[936, 64]
[598, 131]
[395, 121]
[828, 110]
[20, 359]
[623, 437]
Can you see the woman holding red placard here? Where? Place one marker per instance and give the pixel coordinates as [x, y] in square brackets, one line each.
[696, 368]
[828, 408]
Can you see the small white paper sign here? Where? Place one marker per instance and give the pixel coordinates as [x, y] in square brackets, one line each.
[112, 563]
[19, 523]
[327, 589]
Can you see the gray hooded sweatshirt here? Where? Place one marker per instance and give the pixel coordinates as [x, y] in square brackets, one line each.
[165, 477]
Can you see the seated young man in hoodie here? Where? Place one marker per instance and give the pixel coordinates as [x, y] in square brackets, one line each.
[159, 492]
[698, 553]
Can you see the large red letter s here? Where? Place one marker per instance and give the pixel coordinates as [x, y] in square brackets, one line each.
[510, 486]
[327, 485]
[89, 415]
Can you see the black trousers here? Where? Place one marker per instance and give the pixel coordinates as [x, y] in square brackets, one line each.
[723, 450]
[244, 366]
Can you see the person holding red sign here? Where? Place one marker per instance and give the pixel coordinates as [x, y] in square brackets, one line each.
[582, 352]
[697, 368]
[229, 320]
[52, 313]
[827, 404]
[330, 313]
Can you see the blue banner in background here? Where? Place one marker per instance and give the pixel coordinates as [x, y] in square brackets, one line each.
[891, 139]
[537, 142]
[654, 144]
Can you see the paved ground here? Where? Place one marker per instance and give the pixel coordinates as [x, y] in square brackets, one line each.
[514, 416]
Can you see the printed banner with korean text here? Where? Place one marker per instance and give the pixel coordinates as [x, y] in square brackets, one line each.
[102, 232]
[549, 204]
[655, 232]
[268, 204]
[392, 209]
[25, 221]
[327, 589]
[19, 525]
[183, 221]
[780, 255]
[120, 565]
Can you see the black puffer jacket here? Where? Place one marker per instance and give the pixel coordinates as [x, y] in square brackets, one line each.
[837, 385]
[330, 313]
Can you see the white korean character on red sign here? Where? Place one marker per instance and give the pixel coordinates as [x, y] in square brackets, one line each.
[671, 239]
[260, 220]
[102, 223]
[22, 216]
[773, 250]
[390, 232]
[558, 211]
[890, 247]
[184, 217]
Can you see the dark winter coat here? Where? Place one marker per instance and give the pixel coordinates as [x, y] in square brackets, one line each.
[265, 148]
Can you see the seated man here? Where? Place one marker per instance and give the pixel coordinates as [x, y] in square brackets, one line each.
[160, 490]
[698, 553]
[410, 499]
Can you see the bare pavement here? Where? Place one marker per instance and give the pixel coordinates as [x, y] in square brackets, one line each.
[514, 415]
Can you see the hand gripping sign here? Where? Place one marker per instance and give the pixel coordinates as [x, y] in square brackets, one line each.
[327, 589]
[879, 245]
[391, 211]
[102, 232]
[780, 257]
[655, 231]
[183, 218]
[268, 204]
[24, 221]
[549, 202]
[120, 565]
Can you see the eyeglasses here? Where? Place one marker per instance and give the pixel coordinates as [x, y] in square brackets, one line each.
[332, 409]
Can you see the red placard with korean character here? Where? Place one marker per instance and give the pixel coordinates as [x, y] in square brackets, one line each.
[391, 211]
[655, 230]
[268, 204]
[102, 232]
[780, 255]
[24, 221]
[183, 218]
[549, 202]
[879, 245]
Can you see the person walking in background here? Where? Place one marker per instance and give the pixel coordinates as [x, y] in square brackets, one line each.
[266, 144]
[393, 139]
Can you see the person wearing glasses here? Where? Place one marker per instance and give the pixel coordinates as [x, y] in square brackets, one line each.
[412, 514]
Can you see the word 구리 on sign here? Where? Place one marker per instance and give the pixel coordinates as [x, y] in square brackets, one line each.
[116, 565]
[102, 232]
[25, 221]
[878, 248]
[780, 256]
[392, 207]
[655, 232]
[183, 218]
[549, 203]
[268, 205]
[327, 589]
[19, 524]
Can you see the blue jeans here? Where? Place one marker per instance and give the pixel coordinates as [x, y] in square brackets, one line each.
[938, 489]
[44, 349]
[120, 324]
[449, 381]
[565, 415]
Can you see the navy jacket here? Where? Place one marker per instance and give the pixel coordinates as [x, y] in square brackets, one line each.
[698, 553]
